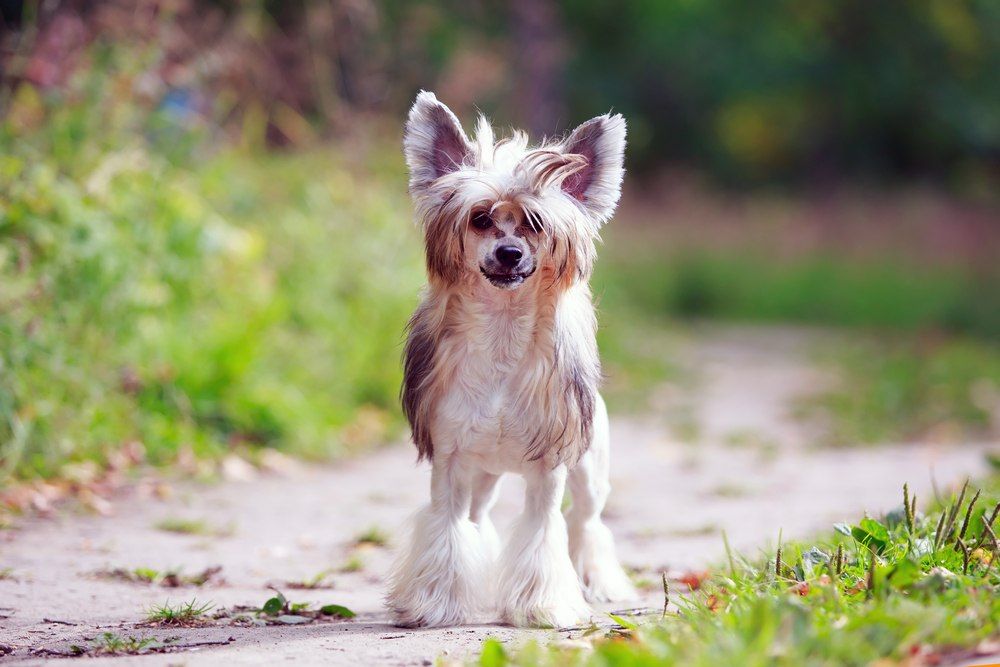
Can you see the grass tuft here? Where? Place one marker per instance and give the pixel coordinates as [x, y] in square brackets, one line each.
[185, 613]
[373, 536]
[183, 526]
[109, 643]
[882, 589]
[320, 580]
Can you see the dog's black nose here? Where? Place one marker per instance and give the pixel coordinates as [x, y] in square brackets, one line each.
[509, 255]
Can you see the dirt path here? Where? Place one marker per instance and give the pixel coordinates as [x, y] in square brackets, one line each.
[750, 475]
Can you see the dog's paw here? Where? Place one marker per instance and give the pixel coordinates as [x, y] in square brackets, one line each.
[607, 583]
[429, 618]
[592, 551]
[563, 614]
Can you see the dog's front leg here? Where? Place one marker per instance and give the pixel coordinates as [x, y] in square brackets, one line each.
[538, 585]
[439, 578]
[591, 546]
[484, 496]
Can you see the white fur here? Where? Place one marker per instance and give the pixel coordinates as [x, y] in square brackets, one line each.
[505, 380]
[591, 546]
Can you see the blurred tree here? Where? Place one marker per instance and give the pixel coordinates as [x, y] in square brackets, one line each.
[782, 88]
[541, 53]
[748, 91]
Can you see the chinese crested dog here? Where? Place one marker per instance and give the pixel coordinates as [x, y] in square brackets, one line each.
[502, 373]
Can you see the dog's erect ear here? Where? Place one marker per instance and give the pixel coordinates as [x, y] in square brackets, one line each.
[434, 142]
[597, 186]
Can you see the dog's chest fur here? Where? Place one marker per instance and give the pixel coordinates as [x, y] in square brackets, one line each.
[490, 406]
[511, 381]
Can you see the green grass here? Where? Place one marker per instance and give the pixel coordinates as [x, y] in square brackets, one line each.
[898, 388]
[193, 298]
[355, 563]
[749, 285]
[904, 585]
[183, 526]
[171, 578]
[319, 580]
[109, 643]
[156, 289]
[373, 536]
[184, 613]
[916, 351]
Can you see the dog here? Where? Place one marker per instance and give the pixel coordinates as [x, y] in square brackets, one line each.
[501, 373]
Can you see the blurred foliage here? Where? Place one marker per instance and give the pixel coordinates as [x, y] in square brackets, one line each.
[922, 361]
[791, 90]
[743, 285]
[167, 280]
[796, 88]
[152, 292]
[900, 389]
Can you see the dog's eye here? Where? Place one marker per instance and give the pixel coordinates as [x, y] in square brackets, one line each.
[482, 220]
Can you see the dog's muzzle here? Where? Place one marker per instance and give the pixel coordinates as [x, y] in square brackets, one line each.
[509, 279]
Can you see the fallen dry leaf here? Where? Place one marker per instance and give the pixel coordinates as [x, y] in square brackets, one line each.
[693, 579]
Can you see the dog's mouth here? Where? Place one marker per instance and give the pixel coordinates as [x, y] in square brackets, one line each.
[508, 280]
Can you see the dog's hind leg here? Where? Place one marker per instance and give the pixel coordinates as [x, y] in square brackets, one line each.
[537, 584]
[438, 579]
[591, 546]
[485, 487]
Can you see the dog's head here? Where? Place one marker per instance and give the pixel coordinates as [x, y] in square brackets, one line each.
[501, 212]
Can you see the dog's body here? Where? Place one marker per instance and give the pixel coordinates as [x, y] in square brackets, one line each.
[502, 372]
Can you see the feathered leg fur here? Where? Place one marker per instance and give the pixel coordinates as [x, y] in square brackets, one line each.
[438, 579]
[591, 545]
[537, 583]
[485, 487]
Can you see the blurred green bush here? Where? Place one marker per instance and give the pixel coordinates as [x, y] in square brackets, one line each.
[152, 291]
[794, 91]
[827, 289]
[796, 88]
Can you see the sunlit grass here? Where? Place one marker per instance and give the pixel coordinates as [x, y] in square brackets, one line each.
[193, 303]
[372, 536]
[903, 586]
[184, 613]
[899, 388]
[110, 643]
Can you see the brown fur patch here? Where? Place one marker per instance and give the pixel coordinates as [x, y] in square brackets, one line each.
[418, 366]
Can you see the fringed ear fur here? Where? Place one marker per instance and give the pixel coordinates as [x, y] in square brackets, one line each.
[434, 142]
[597, 186]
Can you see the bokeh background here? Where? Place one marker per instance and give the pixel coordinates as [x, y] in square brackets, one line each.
[206, 245]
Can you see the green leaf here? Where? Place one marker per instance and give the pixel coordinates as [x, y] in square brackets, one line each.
[146, 573]
[493, 654]
[628, 625]
[875, 528]
[336, 610]
[871, 534]
[905, 573]
[274, 605]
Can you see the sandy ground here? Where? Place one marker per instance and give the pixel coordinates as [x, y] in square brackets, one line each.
[750, 474]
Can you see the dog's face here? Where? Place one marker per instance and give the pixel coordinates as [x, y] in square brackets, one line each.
[502, 245]
[506, 214]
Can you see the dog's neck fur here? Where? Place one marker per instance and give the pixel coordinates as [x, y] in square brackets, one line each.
[503, 325]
